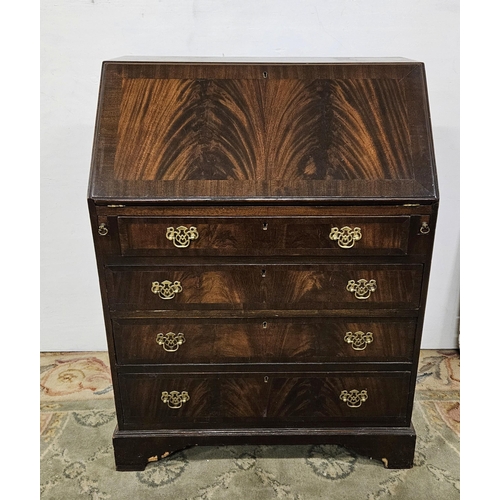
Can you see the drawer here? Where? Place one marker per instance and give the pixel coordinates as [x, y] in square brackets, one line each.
[262, 340]
[161, 236]
[152, 401]
[263, 287]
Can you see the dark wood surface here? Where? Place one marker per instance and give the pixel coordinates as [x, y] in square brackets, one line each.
[141, 236]
[248, 132]
[249, 400]
[263, 160]
[228, 129]
[387, 231]
[254, 286]
[263, 340]
[394, 446]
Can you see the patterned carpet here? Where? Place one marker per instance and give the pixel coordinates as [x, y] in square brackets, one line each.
[77, 420]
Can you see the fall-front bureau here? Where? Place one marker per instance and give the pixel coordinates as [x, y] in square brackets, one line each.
[263, 234]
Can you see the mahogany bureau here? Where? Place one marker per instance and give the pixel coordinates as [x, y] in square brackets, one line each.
[263, 233]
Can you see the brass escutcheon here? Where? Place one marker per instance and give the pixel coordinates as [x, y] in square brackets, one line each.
[182, 236]
[345, 236]
[174, 399]
[354, 398]
[170, 341]
[166, 289]
[359, 340]
[362, 289]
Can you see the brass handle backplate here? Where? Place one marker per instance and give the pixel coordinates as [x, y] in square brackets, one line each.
[354, 398]
[362, 289]
[170, 341]
[174, 399]
[166, 290]
[345, 236]
[182, 235]
[358, 340]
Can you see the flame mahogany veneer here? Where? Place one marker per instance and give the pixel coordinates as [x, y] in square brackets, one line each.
[263, 233]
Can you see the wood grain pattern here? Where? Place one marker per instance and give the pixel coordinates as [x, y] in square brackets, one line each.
[190, 129]
[289, 130]
[143, 236]
[374, 140]
[265, 287]
[262, 340]
[309, 132]
[244, 400]
[297, 136]
[143, 406]
[264, 158]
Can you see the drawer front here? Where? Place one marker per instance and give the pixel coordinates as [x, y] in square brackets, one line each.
[160, 236]
[273, 340]
[152, 401]
[264, 287]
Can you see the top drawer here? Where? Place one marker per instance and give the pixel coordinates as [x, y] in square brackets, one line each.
[164, 236]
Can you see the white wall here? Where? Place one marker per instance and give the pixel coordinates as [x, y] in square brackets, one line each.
[77, 35]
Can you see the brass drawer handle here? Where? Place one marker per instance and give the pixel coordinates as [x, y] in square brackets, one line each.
[362, 289]
[358, 340]
[345, 236]
[354, 398]
[182, 236]
[174, 399]
[170, 341]
[166, 289]
[102, 229]
[425, 229]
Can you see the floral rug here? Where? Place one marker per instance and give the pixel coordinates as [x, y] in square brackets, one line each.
[77, 420]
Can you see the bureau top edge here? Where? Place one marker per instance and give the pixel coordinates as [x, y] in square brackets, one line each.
[257, 60]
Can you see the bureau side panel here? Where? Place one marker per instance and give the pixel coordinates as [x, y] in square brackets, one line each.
[104, 246]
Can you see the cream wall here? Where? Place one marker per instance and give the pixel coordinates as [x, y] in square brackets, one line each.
[77, 35]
